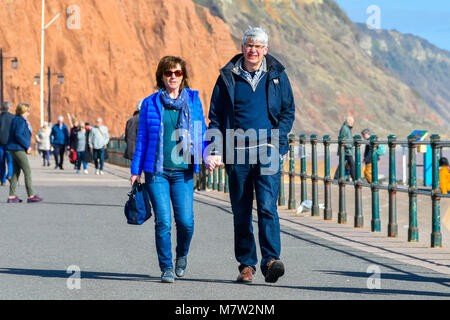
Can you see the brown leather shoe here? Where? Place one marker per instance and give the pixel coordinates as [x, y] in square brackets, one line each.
[246, 275]
[275, 269]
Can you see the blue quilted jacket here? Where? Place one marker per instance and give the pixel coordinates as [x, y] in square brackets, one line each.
[147, 142]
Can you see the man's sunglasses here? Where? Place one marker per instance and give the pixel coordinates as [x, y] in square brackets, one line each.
[168, 73]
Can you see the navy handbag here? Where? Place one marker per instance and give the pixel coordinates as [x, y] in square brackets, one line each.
[138, 208]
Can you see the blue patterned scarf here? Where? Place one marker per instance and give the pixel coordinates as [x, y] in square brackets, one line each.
[184, 126]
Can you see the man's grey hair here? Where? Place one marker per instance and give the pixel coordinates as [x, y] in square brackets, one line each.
[5, 106]
[348, 118]
[256, 34]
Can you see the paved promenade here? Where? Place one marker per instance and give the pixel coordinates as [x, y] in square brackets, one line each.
[76, 244]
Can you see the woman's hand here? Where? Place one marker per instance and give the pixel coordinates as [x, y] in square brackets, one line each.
[29, 150]
[135, 178]
[213, 162]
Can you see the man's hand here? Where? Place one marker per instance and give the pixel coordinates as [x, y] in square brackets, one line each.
[213, 162]
[135, 178]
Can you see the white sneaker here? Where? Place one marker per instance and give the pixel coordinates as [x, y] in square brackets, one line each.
[97, 172]
[86, 172]
[101, 172]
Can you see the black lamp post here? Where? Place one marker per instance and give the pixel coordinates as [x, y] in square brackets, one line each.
[14, 66]
[49, 74]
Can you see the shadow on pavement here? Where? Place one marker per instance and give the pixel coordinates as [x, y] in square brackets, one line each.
[140, 277]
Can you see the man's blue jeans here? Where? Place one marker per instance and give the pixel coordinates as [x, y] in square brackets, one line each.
[5, 160]
[243, 179]
[176, 187]
[99, 158]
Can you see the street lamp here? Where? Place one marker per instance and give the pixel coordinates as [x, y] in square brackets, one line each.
[49, 74]
[14, 66]
[43, 28]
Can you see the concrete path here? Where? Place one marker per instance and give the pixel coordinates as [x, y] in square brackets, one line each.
[76, 244]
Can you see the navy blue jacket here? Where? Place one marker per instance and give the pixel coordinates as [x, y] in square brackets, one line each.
[19, 135]
[5, 125]
[281, 107]
[59, 135]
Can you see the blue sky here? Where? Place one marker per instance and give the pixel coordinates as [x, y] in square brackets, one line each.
[429, 19]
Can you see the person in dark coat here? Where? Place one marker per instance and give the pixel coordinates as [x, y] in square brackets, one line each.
[253, 92]
[367, 157]
[131, 129]
[87, 154]
[59, 139]
[5, 158]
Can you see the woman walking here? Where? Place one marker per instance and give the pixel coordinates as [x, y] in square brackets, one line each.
[43, 140]
[81, 148]
[19, 146]
[166, 118]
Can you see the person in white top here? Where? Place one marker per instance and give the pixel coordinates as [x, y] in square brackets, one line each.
[43, 141]
[98, 140]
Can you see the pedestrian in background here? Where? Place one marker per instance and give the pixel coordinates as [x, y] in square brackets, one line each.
[444, 175]
[87, 152]
[19, 146]
[81, 148]
[98, 140]
[43, 141]
[168, 174]
[5, 158]
[131, 129]
[59, 139]
[367, 157]
[346, 132]
[253, 92]
[73, 139]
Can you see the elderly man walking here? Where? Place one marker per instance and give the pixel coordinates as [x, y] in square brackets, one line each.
[252, 102]
[98, 140]
[346, 132]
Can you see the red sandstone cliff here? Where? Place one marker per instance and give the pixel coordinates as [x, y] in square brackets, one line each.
[110, 62]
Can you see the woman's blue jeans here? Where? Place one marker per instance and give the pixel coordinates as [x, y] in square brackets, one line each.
[172, 187]
[81, 159]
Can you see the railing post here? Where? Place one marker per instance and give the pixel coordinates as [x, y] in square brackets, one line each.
[210, 184]
[281, 195]
[302, 151]
[359, 218]
[392, 225]
[413, 231]
[376, 224]
[327, 213]
[291, 203]
[220, 184]
[315, 192]
[342, 214]
[436, 236]
[215, 186]
[226, 187]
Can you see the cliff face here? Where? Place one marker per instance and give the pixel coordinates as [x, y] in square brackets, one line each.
[415, 61]
[331, 75]
[110, 61]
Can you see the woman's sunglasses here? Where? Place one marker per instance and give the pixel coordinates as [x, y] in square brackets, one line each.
[178, 73]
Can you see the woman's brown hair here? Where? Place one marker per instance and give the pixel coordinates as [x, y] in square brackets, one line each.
[22, 108]
[167, 63]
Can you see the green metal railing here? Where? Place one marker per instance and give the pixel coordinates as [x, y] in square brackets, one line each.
[392, 188]
[218, 180]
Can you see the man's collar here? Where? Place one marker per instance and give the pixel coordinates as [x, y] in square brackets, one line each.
[239, 66]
